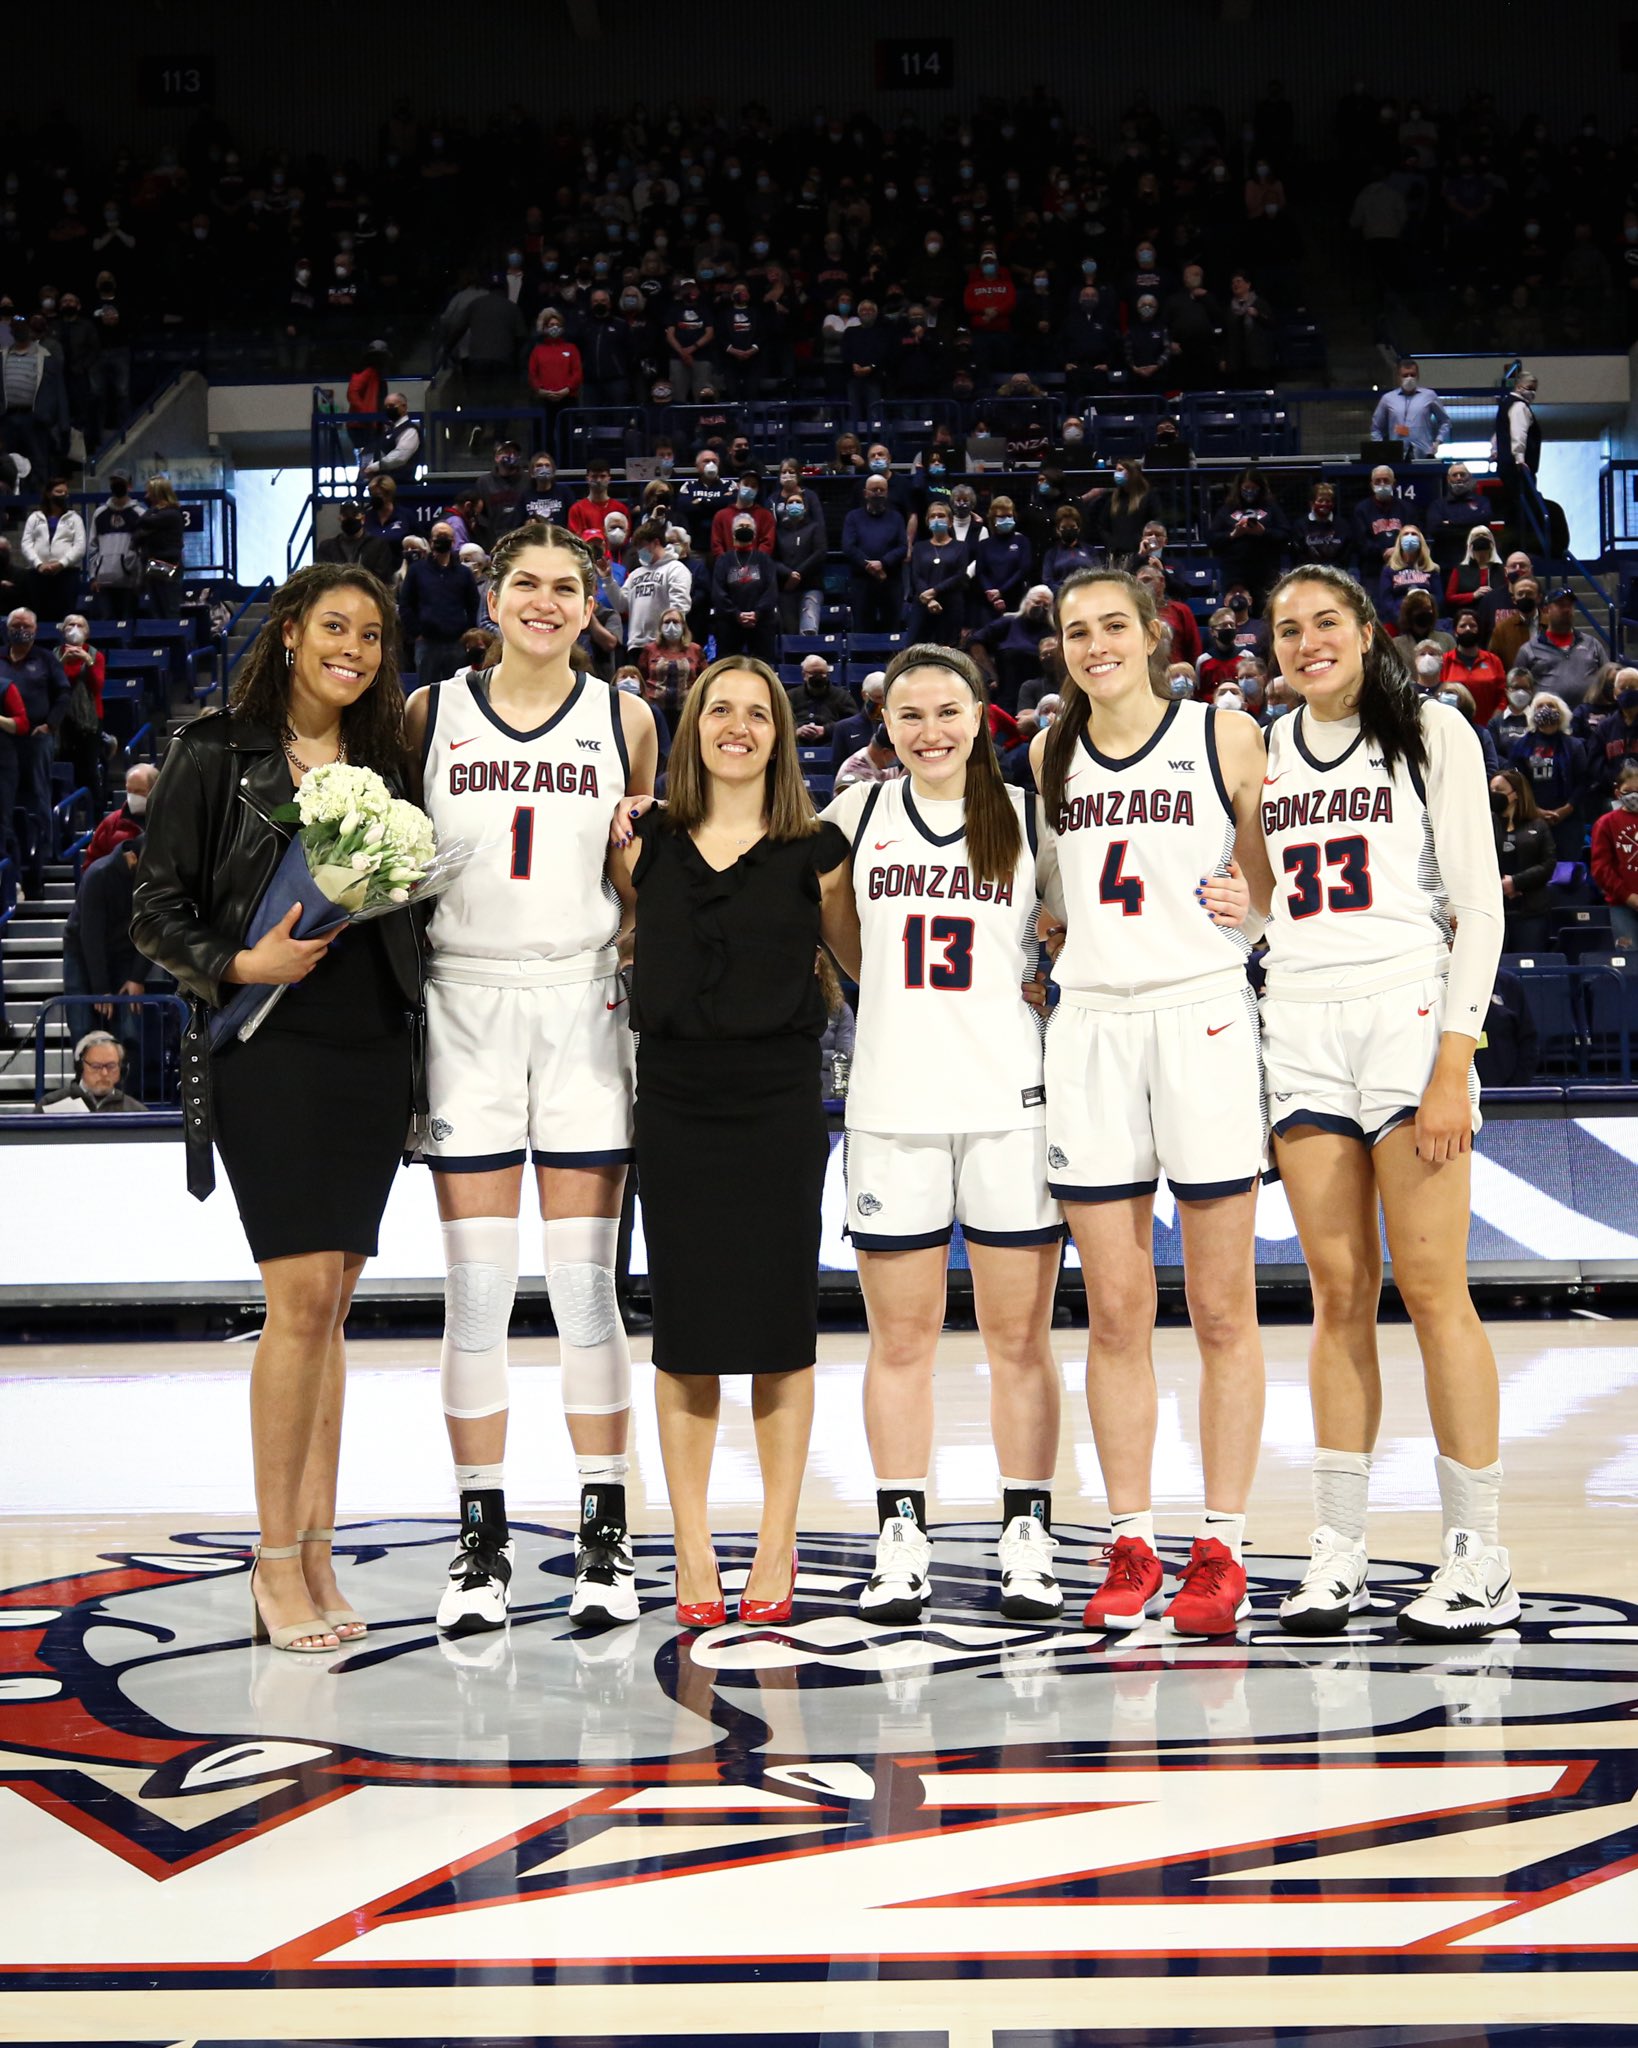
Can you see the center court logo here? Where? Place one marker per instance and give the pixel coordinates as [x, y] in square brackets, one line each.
[487, 1804]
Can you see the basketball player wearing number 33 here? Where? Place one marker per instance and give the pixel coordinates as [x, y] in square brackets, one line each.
[528, 1052]
[1151, 856]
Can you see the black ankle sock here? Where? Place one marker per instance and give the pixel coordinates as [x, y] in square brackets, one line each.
[908, 1506]
[484, 1509]
[603, 1506]
[1034, 1501]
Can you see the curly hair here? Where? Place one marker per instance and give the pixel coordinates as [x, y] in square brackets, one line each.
[372, 729]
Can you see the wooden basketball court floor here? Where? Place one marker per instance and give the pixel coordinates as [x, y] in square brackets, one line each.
[975, 1832]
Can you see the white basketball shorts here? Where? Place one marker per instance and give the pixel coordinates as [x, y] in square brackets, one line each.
[1357, 1066]
[1132, 1094]
[904, 1192]
[511, 1072]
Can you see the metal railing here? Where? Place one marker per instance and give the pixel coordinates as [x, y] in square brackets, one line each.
[210, 539]
[303, 535]
[150, 1027]
[1618, 506]
[226, 663]
[62, 819]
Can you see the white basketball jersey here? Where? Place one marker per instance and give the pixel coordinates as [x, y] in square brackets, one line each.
[537, 806]
[1356, 877]
[1134, 837]
[945, 1041]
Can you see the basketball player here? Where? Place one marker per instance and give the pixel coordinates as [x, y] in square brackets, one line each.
[1376, 812]
[528, 1053]
[1152, 1066]
[945, 1123]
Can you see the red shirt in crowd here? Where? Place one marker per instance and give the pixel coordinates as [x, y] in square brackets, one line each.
[554, 369]
[1485, 682]
[586, 515]
[1615, 854]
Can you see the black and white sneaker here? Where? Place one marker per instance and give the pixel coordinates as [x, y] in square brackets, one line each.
[480, 1585]
[1470, 1593]
[1029, 1588]
[899, 1589]
[1332, 1588]
[605, 1580]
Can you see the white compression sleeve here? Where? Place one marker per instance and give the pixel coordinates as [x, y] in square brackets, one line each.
[580, 1254]
[480, 1282]
[1464, 842]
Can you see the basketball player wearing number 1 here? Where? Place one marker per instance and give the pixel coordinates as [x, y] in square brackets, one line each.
[1153, 1065]
[528, 1053]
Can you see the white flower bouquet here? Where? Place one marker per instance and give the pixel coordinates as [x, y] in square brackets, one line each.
[357, 852]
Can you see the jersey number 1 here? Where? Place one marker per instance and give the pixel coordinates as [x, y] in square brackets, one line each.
[523, 842]
[955, 970]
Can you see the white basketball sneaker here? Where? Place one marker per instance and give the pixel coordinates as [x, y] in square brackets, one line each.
[1029, 1589]
[480, 1586]
[1470, 1593]
[899, 1589]
[1333, 1587]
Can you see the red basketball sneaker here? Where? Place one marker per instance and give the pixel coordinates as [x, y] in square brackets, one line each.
[1131, 1587]
[1212, 1597]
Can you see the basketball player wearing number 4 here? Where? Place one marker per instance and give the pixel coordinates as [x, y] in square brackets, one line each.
[1152, 856]
[528, 1052]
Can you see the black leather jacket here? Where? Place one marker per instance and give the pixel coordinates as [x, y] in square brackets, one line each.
[209, 852]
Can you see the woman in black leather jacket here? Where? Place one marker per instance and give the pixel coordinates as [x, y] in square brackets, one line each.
[310, 1113]
[1526, 856]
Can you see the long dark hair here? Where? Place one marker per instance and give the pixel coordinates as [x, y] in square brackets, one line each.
[1076, 715]
[1390, 714]
[994, 837]
[372, 729]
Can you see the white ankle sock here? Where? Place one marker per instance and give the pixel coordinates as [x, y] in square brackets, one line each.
[1469, 1497]
[1141, 1525]
[605, 1468]
[1227, 1528]
[1342, 1487]
[480, 1478]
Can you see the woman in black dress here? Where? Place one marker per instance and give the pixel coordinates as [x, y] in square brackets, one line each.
[310, 1113]
[736, 882]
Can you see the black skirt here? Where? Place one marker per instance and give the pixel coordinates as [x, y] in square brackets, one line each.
[311, 1113]
[731, 1157]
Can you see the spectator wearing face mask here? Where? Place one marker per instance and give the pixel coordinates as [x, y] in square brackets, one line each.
[606, 360]
[351, 543]
[867, 347]
[127, 820]
[848, 735]
[1405, 568]
[1194, 320]
[818, 704]
[938, 580]
[1250, 332]
[745, 594]
[555, 371]
[1615, 856]
[1248, 535]
[1454, 516]
[1087, 343]
[588, 515]
[1516, 612]
[1279, 700]
[1411, 416]
[799, 551]
[1526, 855]
[437, 604]
[1376, 522]
[1561, 657]
[113, 564]
[1115, 518]
[875, 544]
[989, 298]
[1613, 741]
[1477, 579]
[656, 585]
[1320, 535]
[1229, 697]
[669, 663]
[53, 545]
[79, 707]
[1425, 660]
[1182, 632]
[1472, 665]
[542, 497]
[691, 333]
[746, 504]
[1598, 704]
[1149, 349]
[1069, 550]
[1219, 657]
[402, 444]
[1003, 563]
[1168, 449]
[1555, 761]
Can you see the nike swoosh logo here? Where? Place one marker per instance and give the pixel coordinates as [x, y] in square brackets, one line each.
[1423, 1013]
[1213, 1029]
[1269, 781]
[471, 736]
[614, 1005]
[880, 843]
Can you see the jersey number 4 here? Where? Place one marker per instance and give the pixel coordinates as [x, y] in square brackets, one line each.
[1114, 887]
[955, 935]
[1352, 892]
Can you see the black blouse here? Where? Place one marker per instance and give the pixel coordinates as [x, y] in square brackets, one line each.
[729, 955]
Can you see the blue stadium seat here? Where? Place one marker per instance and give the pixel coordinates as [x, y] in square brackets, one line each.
[876, 648]
[1551, 992]
[1122, 433]
[1575, 932]
[795, 645]
[1609, 996]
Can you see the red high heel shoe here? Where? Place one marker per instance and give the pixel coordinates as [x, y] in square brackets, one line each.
[703, 1613]
[771, 1610]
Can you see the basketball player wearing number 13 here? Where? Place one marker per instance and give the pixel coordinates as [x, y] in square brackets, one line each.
[1153, 850]
[528, 1052]
[1376, 815]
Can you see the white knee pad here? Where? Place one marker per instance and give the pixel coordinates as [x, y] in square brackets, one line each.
[481, 1279]
[580, 1253]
